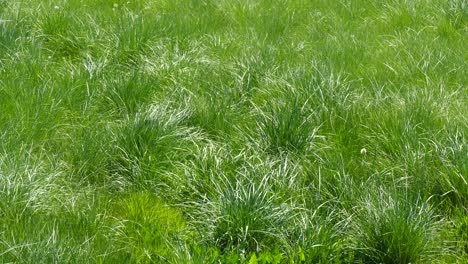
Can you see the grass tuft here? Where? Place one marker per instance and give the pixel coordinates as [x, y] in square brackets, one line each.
[287, 128]
[387, 229]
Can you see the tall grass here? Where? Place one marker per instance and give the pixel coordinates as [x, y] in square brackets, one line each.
[233, 131]
[287, 128]
[392, 230]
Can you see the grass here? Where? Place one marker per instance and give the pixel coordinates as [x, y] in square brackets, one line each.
[393, 230]
[233, 131]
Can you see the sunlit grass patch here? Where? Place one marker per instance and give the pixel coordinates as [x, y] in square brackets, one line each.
[145, 227]
[203, 131]
[244, 216]
[386, 229]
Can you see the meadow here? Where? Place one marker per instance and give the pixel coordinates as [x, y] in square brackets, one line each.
[233, 131]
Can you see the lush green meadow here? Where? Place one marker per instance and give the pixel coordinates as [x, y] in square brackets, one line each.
[233, 131]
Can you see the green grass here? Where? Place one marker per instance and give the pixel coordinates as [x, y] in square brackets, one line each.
[395, 230]
[201, 131]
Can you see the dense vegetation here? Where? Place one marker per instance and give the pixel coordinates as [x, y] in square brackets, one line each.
[206, 131]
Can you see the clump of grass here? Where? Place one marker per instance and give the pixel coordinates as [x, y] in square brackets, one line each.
[243, 215]
[196, 176]
[134, 34]
[148, 144]
[129, 93]
[388, 229]
[287, 128]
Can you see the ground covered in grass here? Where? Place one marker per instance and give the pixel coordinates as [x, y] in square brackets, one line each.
[231, 131]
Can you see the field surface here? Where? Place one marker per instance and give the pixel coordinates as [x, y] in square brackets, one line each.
[233, 131]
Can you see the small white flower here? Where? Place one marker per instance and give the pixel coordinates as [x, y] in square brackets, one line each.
[116, 5]
[363, 151]
[56, 7]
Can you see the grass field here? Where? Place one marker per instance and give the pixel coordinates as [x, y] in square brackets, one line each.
[233, 131]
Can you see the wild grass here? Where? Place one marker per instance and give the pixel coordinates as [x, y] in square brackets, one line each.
[392, 230]
[239, 131]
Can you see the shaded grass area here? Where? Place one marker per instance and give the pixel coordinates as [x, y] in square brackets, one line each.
[233, 131]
